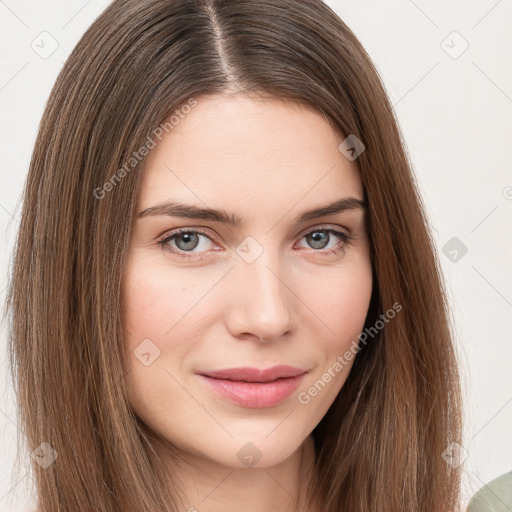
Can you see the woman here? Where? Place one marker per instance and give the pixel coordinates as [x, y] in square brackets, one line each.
[232, 290]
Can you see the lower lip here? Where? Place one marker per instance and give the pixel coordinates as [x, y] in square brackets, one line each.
[254, 394]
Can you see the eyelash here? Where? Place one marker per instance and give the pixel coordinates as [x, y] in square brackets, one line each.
[346, 239]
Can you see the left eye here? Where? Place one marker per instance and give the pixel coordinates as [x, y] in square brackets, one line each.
[186, 240]
[319, 238]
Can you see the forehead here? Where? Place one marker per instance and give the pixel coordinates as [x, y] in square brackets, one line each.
[233, 150]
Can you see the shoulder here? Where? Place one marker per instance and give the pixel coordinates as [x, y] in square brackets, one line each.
[495, 496]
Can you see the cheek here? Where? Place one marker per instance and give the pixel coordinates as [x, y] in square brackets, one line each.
[161, 305]
[339, 302]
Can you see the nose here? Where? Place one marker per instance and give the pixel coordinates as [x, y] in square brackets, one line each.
[261, 300]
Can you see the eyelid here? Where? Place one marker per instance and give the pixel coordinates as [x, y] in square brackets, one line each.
[207, 231]
[321, 227]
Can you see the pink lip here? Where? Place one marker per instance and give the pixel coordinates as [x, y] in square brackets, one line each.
[255, 388]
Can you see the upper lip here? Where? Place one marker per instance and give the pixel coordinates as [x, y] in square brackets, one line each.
[249, 374]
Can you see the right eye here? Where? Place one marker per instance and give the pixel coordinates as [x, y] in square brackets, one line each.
[183, 242]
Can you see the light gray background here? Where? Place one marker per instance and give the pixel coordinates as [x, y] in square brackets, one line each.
[454, 108]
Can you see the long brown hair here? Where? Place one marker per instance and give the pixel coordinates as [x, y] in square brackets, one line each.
[380, 445]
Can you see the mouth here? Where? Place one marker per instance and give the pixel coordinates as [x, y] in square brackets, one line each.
[247, 374]
[253, 388]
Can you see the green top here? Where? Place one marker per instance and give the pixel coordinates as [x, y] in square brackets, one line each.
[496, 496]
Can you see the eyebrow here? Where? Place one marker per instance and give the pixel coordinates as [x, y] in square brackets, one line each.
[174, 209]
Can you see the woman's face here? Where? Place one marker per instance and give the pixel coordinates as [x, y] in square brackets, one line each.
[276, 288]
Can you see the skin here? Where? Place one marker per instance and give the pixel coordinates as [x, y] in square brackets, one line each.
[266, 161]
